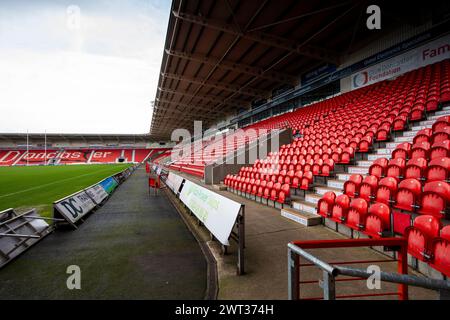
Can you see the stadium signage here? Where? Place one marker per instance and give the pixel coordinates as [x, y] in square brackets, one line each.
[77, 205]
[429, 53]
[317, 73]
[109, 184]
[174, 182]
[216, 212]
[97, 193]
[74, 207]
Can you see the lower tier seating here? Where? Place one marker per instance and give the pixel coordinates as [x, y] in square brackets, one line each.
[76, 156]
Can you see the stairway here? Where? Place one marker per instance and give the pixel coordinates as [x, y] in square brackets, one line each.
[306, 205]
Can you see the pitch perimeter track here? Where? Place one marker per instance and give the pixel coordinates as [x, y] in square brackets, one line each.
[134, 247]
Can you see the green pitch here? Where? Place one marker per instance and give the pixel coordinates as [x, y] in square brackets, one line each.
[38, 186]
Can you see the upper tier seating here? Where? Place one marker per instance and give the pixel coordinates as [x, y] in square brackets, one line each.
[336, 130]
[202, 153]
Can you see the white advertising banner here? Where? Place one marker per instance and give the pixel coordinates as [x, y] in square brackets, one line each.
[97, 193]
[174, 182]
[216, 212]
[75, 207]
[429, 53]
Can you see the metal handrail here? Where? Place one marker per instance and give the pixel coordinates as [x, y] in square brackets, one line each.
[330, 272]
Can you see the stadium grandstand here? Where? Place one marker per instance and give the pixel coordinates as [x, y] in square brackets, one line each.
[55, 149]
[313, 130]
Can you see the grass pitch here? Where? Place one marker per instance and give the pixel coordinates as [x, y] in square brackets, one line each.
[38, 186]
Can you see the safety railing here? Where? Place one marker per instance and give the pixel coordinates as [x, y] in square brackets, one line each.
[331, 271]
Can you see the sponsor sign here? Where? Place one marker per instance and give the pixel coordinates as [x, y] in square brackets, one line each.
[429, 53]
[174, 182]
[75, 207]
[97, 193]
[216, 212]
[109, 184]
[317, 73]
[119, 177]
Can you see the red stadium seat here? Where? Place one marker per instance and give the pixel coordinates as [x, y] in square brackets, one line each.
[407, 195]
[284, 194]
[326, 203]
[387, 189]
[351, 187]
[396, 168]
[420, 236]
[440, 149]
[416, 169]
[307, 180]
[441, 252]
[435, 199]
[368, 188]
[379, 167]
[423, 135]
[274, 192]
[340, 208]
[378, 221]
[441, 135]
[438, 169]
[403, 150]
[261, 188]
[440, 123]
[420, 150]
[327, 167]
[357, 215]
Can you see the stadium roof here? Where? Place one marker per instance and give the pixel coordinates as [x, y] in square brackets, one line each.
[21, 138]
[222, 55]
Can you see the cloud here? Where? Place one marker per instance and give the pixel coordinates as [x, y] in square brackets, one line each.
[99, 78]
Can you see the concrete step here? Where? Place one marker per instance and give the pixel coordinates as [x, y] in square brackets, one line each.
[304, 218]
[339, 184]
[358, 170]
[385, 151]
[410, 133]
[427, 123]
[364, 163]
[304, 206]
[392, 145]
[418, 128]
[322, 190]
[312, 198]
[435, 117]
[343, 176]
[220, 187]
[403, 139]
[441, 113]
[374, 157]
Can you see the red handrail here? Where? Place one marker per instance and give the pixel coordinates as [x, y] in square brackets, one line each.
[396, 244]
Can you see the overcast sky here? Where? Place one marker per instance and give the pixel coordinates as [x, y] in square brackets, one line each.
[80, 66]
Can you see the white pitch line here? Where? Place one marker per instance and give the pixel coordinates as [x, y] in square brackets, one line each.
[51, 183]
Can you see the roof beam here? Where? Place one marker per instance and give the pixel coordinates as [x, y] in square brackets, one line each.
[236, 67]
[221, 86]
[263, 38]
[178, 111]
[211, 98]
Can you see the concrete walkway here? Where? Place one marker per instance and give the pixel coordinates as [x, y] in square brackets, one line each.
[134, 247]
[267, 236]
